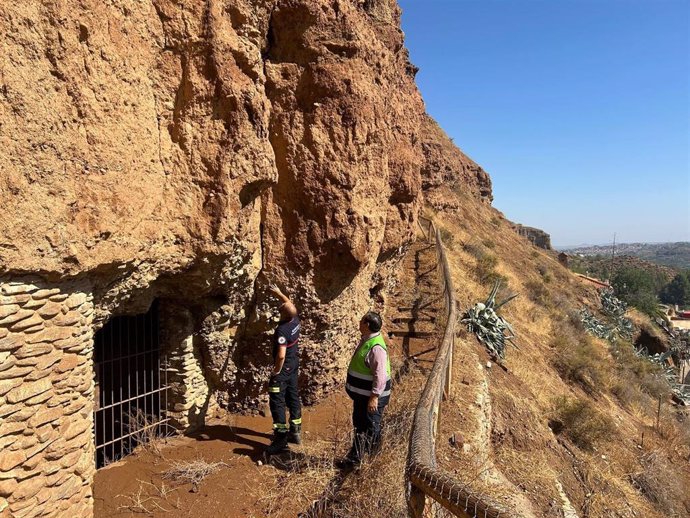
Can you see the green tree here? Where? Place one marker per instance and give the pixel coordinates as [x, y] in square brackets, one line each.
[638, 288]
[678, 290]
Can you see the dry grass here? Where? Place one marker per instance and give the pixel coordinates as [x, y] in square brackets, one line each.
[658, 484]
[146, 432]
[192, 472]
[581, 422]
[556, 359]
[149, 499]
[578, 360]
[317, 488]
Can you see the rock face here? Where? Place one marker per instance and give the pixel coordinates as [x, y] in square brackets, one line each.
[536, 236]
[190, 153]
[447, 170]
[158, 149]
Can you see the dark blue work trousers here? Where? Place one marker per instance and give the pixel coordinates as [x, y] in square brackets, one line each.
[367, 438]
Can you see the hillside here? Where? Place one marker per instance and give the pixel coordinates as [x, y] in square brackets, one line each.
[674, 255]
[163, 164]
[561, 428]
[601, 266]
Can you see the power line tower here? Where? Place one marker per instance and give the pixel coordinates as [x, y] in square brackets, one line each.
[613, 257]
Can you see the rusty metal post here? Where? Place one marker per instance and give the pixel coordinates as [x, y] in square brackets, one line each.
[416, 502]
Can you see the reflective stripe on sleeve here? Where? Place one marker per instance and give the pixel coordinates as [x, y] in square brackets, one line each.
[274, 390]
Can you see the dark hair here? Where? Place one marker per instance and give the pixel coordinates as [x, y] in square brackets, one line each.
[373, 321]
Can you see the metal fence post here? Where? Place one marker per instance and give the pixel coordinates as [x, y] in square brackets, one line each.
[416, 502]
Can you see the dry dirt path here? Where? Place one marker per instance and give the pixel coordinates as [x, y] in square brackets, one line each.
[241, 487]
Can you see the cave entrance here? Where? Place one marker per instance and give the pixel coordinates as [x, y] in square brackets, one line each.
[131, 385]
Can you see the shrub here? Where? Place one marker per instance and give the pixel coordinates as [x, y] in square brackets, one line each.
[639, 371]
[485, 269]
[658, 482]
[544, 272]
[537, 293]
[580, 362]
[583, 424]
[626, 393]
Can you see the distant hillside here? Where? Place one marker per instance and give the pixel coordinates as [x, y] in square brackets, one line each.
[599, 266]
[676, 255]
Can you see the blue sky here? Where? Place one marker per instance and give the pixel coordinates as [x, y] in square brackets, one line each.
[578, 109]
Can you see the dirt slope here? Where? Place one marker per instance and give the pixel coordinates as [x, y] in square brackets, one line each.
[520, 441]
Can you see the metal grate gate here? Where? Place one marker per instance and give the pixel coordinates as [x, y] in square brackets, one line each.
[131, 389]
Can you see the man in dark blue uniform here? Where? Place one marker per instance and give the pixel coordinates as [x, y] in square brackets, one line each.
[282, 387]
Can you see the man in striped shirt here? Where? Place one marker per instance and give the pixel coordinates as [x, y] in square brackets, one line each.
[369, 386]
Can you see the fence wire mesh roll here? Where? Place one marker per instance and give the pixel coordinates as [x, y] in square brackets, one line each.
[431, 491]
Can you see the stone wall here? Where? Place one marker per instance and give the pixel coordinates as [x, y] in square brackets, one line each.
[189, 395]
[46, 400]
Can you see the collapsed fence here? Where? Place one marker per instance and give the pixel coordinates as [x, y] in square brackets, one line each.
[431, 490]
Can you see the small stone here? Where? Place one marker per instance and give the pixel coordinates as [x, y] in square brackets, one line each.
[19, 416]
[69, 362]
[11, 309]
[28, 488]
[59, 297]
[34, 304]
[10, 460]
[259, 463]
[44, 293]
[29, 350]
[34, 329]
[49, 310]
[26, 323]
[6, 363]
[14, 299]
[488, 365]
[9, 343]
[37, 400]
[75, 300]
[7, 487]
[16, 317]
[67, 320]
[51, 334]
[7, 385]
[14, 373]
[28, 390]
[37, 375]
[17, 289]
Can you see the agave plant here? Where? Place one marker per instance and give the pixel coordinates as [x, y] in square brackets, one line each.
[491, 329]
[618, 327]
[681, 391]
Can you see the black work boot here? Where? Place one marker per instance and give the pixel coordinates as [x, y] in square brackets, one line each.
[279, 443]
[295, 435]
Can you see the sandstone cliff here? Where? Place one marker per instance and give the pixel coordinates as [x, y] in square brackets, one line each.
[158, 149]
[536, 236]
[447, 170]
